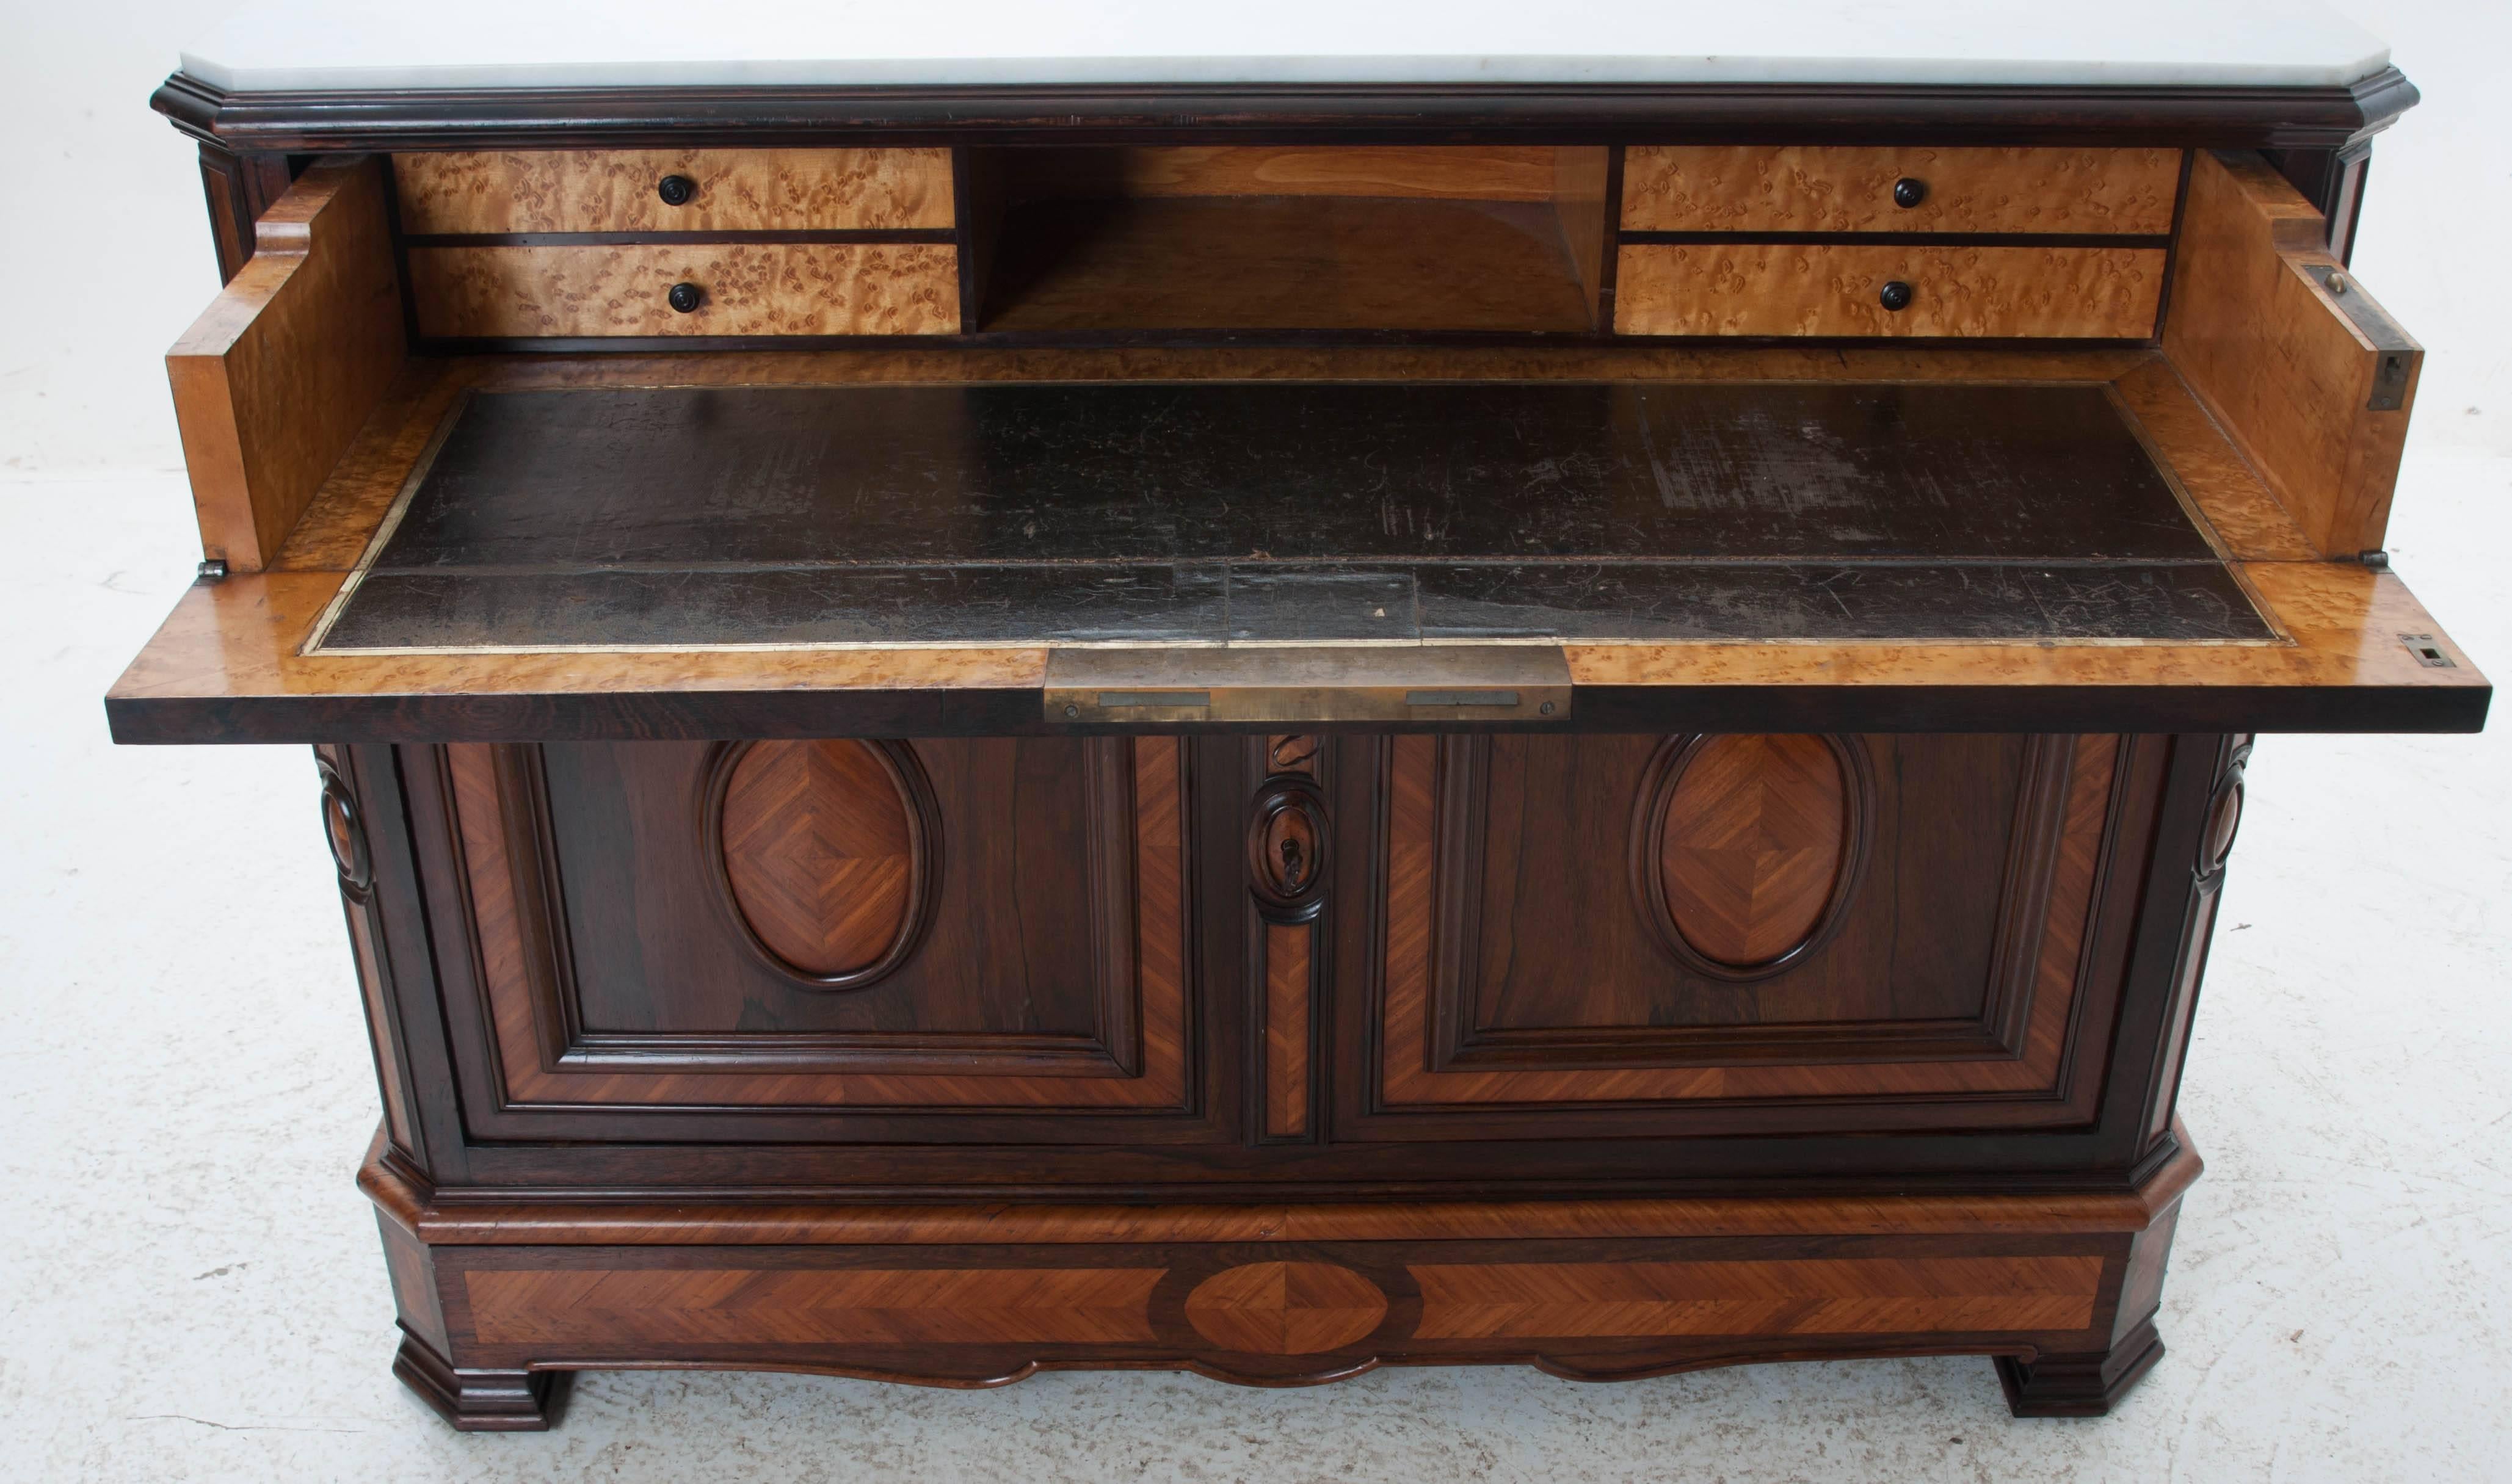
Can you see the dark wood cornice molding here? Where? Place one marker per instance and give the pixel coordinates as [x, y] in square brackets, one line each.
[2228, 118]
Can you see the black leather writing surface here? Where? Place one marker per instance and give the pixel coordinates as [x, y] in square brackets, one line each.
[1283, 512]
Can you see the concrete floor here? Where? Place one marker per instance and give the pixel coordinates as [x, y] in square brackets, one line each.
[191, 1287]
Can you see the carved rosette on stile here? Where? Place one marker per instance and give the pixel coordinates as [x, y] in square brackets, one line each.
[1289, 856]
[825, 854]
[1746, 850]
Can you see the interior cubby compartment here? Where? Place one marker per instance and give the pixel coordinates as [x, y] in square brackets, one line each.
[1287, 238]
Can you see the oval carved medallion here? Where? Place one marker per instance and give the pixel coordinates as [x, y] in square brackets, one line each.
[1286, 1309]
[826, 853]
[1747, 846]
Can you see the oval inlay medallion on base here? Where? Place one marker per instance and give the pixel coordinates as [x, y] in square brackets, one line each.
[825, 850]
[1748, 845]
[1286, 1309]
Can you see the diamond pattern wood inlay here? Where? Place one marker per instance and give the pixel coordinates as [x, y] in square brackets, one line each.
[1756, 833]
[819, 845]
[1286, 1309]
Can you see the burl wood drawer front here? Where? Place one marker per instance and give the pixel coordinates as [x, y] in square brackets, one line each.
[722, 190]
[1765, 188]
[1838, 289]
[741, 288]
[1728, 933]
[972, 926]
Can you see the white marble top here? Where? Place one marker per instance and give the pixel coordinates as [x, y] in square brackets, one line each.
[282, 45]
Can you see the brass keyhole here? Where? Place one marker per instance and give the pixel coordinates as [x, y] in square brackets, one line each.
[1294, 868]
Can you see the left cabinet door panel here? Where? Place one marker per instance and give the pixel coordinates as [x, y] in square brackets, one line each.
[939, 939]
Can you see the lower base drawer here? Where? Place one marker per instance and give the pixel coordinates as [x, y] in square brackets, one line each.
[2062, 1288]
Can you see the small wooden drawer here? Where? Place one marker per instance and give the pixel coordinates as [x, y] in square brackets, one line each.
[1770, 288]
[622, 190]
[741, 289]
[1767, 189]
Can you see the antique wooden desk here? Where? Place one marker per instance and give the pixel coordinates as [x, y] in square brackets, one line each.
[1141, 699]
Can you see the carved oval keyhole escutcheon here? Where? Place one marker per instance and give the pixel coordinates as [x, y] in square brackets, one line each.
[2223, 816]
[346, 833]
[827, 854]
[1287, 846]
[1747, 848]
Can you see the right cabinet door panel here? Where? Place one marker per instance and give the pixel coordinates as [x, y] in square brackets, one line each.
[1727, 933]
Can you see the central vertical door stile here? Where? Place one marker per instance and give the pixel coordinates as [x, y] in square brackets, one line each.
[1287, 870]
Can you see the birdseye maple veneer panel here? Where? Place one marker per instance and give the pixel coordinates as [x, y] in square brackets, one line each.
[460, 192]
[1796, 289]
[1833, 189]
[743, 289]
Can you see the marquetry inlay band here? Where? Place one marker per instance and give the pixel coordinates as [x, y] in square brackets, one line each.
[1841, 1296]
[870, 1307]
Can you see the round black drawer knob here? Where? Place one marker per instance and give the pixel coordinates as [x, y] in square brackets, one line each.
[1907, 192]
[685, 297]
[1897, 295]
[677, 190]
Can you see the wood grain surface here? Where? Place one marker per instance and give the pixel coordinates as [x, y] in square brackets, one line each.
[512, 920]
[1842, 1296]
[1388, 172]
[1756, 835]
[867, 1307]
[225, 663]
[820, 848]
[747, 288]
[226, 666]
[1286, 1309]
[1274, 263]
[273, 381]
[2277, 361]
[2240, 510]
[1582, 189]
[681, 1223]
[1770, 288]
[1413, 888]
[615, 190]
[1289, 948]
[1837, 188]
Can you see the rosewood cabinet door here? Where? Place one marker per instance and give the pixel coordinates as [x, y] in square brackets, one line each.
[952, 940]
[1716, 934]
